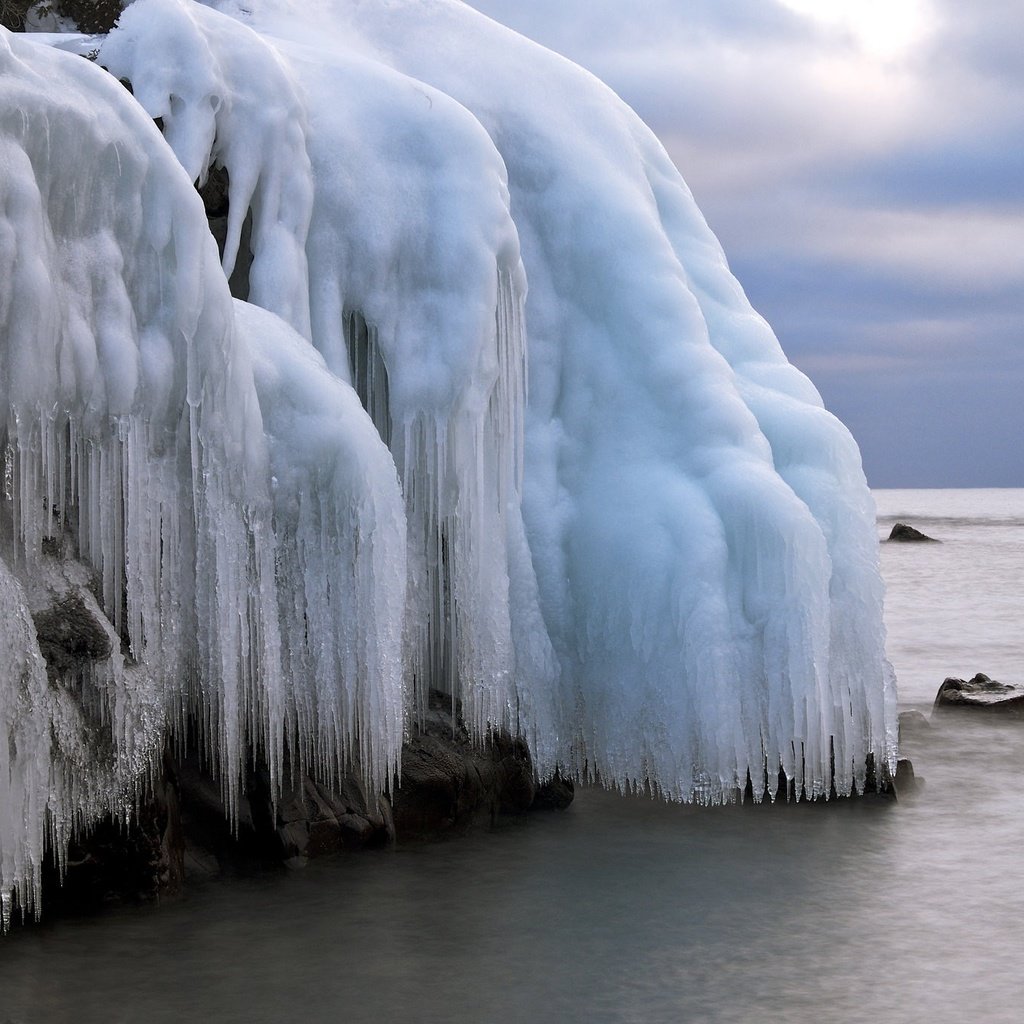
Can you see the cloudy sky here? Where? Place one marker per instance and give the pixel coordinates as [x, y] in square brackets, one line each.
[862, 162]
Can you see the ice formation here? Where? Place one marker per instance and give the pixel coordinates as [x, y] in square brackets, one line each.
[661, 569]
[252, 568]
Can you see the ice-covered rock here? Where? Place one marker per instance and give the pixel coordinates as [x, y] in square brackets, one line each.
[699, 525]
[661, 570]
[132, 439]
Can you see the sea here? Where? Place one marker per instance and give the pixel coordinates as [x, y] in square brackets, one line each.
[631, 910]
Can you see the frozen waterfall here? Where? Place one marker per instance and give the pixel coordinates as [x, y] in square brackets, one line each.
[299, 513]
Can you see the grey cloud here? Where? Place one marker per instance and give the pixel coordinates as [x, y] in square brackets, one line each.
[875, 216]
[581, 28]
[982, 38]
[984, 172]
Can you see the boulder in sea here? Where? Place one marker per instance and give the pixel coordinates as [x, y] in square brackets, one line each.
[912, 722]
[980, 692]
[904, 534]
[905, 781]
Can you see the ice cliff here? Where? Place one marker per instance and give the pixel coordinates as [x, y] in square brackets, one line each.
[300, 512]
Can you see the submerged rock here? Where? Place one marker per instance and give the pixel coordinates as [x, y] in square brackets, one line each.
[905, 780]
[911, 722]
[980, 692]
[903, 533]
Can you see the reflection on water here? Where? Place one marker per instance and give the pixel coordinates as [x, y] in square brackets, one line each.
[616, 910]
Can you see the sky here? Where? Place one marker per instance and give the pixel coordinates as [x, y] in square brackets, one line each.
[862, 163]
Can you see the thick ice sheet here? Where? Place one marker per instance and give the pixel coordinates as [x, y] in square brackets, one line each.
[662, 569]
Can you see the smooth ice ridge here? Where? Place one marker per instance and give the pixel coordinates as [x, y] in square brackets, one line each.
[307, 510]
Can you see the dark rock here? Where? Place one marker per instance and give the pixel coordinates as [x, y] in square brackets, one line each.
[211, 843]
[982, 693]
[913, 722]
[70, 634]
[184, 830]
[215, 193]
[514, 780]
[448, 782]
[903, 533]
[139, 862]
[555, 795]
[314, 820]
[445, 785]
[308, 819]
[905, 781]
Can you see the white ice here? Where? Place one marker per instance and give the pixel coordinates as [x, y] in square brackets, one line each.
[661, 569]
[133, 439]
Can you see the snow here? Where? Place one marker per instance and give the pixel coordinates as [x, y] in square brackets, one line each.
[661, 568]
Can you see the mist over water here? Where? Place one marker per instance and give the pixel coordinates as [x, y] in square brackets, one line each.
[635, 911]
[954, 608]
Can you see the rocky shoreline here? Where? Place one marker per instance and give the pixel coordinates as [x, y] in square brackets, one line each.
[182, 833]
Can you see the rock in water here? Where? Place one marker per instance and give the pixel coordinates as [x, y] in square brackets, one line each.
[448, 782]
[980, 692]
[912, 722]
[903, 533]
[905, 780]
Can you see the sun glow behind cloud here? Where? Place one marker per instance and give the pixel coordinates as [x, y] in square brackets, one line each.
[883, 29]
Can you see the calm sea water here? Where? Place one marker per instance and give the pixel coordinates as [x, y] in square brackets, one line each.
[955, 608]
[633, 911]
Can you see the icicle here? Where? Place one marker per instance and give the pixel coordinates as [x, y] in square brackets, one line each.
[144, 458]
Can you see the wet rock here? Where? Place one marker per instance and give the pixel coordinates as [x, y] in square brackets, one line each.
[141, 862]
[448, 783]
[905, 781]
[211, 843]
[912, 722]
[903, 533]
[307, 820]
[555, 795]
[980, 693]
[185, 831]
[313, 820]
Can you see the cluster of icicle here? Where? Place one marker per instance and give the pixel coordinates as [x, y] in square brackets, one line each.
[241, 515]
[306, 510]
